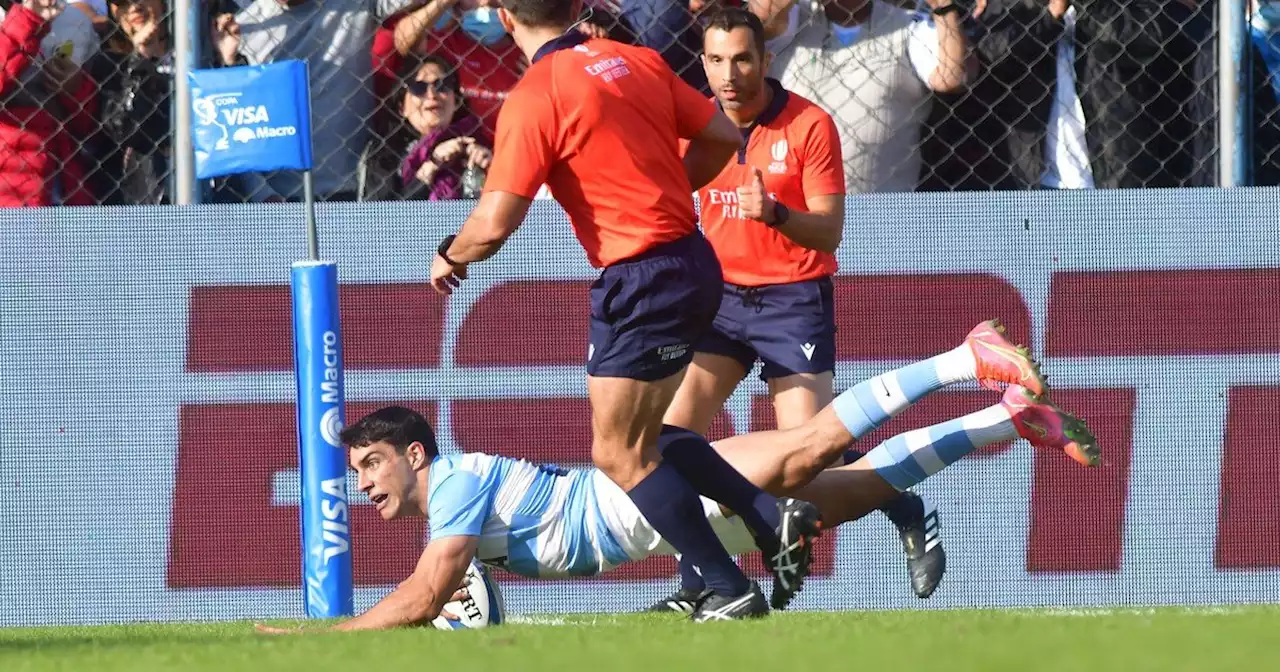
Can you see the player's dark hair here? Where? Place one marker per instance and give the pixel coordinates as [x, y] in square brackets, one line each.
[540, 13]
[397, 425]
[730, 18]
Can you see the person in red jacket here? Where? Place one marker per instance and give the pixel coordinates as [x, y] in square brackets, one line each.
[44, 114]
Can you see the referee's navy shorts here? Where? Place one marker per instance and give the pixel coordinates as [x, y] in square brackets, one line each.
[790, 327]
[648, 312]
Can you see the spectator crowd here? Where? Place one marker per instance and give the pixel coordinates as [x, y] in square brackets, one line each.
[1027, 94]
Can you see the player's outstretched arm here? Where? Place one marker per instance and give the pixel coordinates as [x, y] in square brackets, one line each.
[420, 598]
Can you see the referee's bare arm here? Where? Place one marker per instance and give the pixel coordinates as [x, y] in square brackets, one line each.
[497, 215]
[819, 227]
[711, 149]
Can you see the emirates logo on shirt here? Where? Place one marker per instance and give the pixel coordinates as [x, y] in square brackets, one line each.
[778, 152]
[728, 202]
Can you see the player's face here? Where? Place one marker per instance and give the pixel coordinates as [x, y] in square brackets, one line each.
[430, 100]
[387, 477]
[735, 69]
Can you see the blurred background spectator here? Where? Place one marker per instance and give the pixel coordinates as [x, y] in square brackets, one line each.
[671, 28]
[335, 38]
[438, 149]
[1265, 30]
[466, 32]
[872, 66]
[1093, 93]
[98, 11]
[47, 105]
[1032, 94]
[134, 72]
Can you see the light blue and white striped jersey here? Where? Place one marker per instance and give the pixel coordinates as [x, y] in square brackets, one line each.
[537, 521]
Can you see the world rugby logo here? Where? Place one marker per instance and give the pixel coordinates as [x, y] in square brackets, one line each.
[779, 150]
[331, 426]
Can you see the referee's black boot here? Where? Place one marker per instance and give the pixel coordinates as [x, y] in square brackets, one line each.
[799, 526]
[717, 607]
[683, 601]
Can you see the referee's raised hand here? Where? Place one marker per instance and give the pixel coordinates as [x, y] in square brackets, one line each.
[754, 202]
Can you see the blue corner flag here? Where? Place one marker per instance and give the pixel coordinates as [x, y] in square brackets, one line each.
[251, 118]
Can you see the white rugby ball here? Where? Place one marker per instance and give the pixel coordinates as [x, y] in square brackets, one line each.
[481, 609]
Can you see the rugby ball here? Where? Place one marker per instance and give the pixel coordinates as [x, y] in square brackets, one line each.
[481, 609]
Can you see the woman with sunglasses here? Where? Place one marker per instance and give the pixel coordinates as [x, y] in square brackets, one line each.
[436, 143]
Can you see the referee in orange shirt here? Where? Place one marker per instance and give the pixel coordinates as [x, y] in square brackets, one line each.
[600, 123]
[774, 216]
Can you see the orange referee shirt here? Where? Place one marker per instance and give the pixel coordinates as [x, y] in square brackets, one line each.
[600, 123]
[795, 145]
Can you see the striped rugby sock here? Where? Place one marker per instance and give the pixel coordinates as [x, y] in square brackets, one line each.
[869, 404]
[910, 457]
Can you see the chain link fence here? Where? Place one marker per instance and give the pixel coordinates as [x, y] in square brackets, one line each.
[1028, 94]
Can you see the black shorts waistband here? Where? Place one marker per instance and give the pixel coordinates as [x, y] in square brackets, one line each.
[671, 248]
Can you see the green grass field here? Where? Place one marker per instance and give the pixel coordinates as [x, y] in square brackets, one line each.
[1075, 640]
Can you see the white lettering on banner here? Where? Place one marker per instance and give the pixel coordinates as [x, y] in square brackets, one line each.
[1182, 403]
[276, 132]
[206, 111]
[247, 135]
[241, 116]
[334, 538]
[334, 509]
[238, 123]
[331, 387]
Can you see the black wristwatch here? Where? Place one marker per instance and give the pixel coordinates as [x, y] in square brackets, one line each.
[443, 250]
[781, 214]
[949, 9]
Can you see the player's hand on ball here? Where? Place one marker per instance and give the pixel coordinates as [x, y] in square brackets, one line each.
[449, 615]
[461, 593]
[445, 276]
[754, 201]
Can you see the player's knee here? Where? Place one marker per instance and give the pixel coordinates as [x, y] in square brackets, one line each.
[621, 464]
[804, 464]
